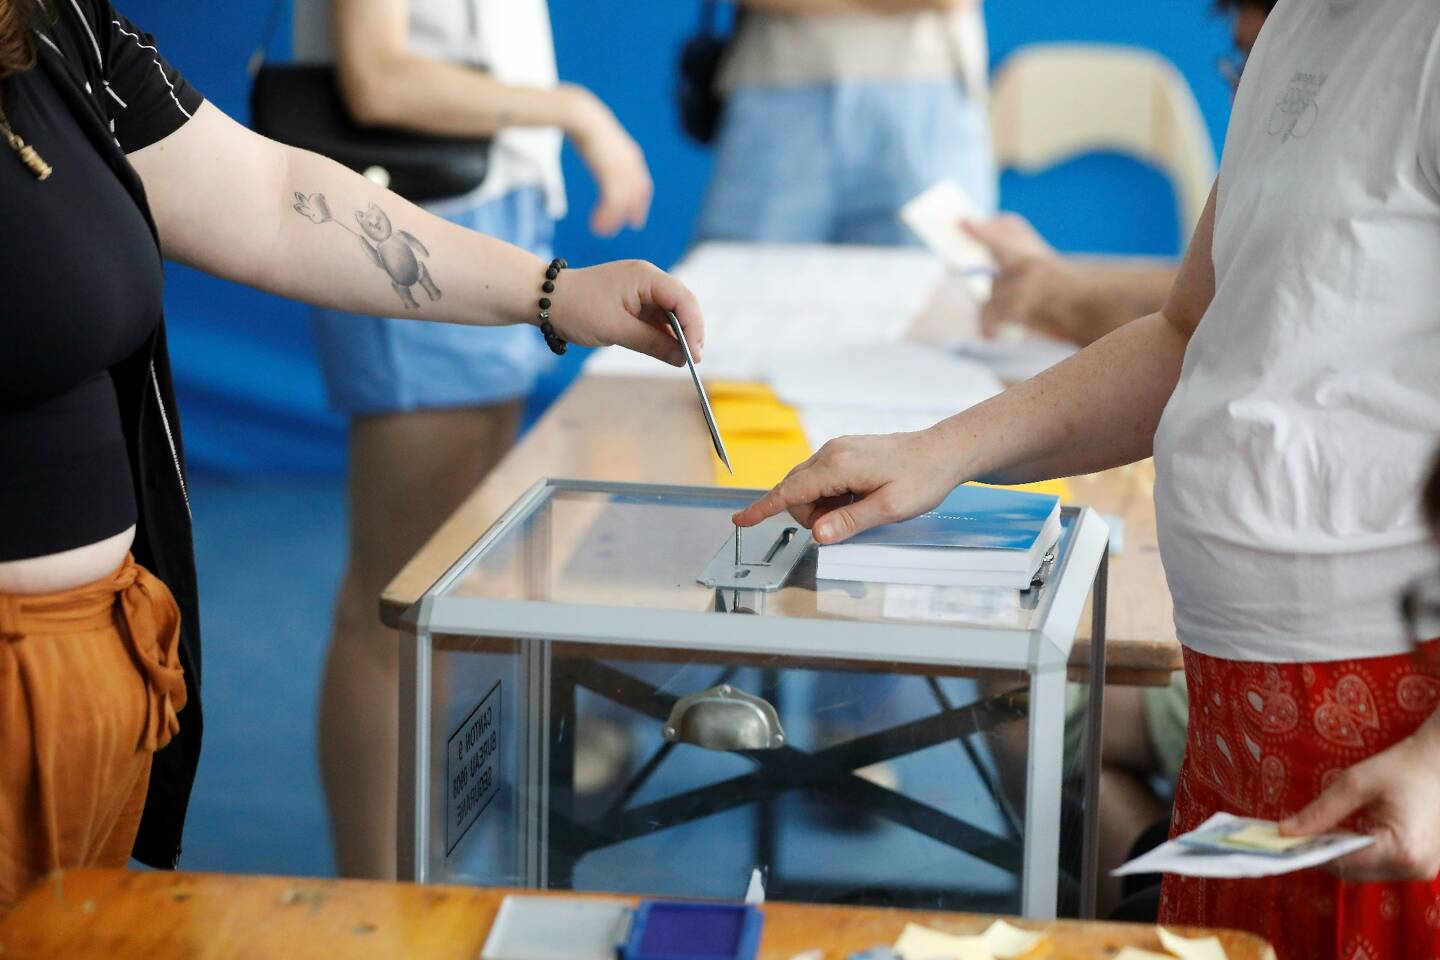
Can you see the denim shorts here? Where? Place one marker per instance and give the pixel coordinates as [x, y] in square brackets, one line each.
[833, 163]
[386, 365]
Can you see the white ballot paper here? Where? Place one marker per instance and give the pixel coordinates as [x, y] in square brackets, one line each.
[1000, 941]
[1231, 846]
[935, 215]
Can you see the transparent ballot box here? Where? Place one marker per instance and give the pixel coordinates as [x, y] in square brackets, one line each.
[598, 696]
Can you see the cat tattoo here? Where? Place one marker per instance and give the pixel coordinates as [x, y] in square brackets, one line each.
[397, 252]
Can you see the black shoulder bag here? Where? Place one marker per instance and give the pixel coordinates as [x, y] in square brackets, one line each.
[698, 96]
[300, 105]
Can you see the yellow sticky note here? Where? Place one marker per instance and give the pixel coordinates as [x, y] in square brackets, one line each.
[1264, 836]
[1204, 948]
[922, 943]
[1135, 953]
[1007, 942]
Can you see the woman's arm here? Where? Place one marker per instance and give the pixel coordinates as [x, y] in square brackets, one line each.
[385, 85]
[237, 205]
[1097, 409]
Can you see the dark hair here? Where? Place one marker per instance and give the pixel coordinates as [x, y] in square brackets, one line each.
[17, 35]
[1432, 497]
[1227, 6]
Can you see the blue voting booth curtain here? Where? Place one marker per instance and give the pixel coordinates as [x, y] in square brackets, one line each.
[250, 392]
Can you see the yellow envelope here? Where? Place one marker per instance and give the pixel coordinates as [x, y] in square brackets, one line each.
[746, 416]
[736, 390]
[763, 436]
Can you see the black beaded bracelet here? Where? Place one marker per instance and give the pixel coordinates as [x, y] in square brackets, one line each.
[553, 340]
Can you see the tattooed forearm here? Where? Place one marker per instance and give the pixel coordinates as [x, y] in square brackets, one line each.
[397, 252]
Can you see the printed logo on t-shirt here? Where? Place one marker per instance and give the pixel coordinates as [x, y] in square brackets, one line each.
[1296, 111]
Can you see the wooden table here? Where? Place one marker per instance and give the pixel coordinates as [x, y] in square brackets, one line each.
[131, 915]
[649, 430]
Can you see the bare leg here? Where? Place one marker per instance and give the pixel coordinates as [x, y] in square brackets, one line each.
[428, 283]
[1127, 803]
[1127, 807]
[408, 473]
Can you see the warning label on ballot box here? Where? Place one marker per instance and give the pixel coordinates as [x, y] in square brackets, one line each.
[472, 774]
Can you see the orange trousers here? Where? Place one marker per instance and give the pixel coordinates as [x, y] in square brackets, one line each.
[90, 688]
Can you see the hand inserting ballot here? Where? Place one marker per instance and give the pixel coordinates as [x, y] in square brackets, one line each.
[600, 306]
[855, 483]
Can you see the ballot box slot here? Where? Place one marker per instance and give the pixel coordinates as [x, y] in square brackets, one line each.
[759, 559]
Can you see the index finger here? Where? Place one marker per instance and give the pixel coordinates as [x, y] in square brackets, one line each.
[802, 486]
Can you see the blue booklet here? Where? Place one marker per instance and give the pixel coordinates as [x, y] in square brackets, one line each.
[980, 529]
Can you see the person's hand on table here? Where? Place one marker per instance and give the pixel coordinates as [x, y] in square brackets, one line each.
[623, 303]
[1035, 287]
[615, 161]
[1394, 793]
[855, 483]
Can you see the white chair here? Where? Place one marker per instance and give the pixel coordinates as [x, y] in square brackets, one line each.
[1051, 102]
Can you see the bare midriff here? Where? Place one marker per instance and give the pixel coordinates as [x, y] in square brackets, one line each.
[67, 569]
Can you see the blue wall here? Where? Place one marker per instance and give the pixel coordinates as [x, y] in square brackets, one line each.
[250, 392]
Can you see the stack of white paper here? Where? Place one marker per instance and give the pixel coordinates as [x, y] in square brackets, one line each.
[879, 387]
[977, 537]
[766, 304]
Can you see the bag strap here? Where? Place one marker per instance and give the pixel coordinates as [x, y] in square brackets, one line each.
[267, 37]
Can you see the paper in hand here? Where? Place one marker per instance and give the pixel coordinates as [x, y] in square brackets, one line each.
[935, 215]
[1230, 846]
[1248, 836]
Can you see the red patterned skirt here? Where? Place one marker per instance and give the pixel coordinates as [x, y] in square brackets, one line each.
[1264, 740]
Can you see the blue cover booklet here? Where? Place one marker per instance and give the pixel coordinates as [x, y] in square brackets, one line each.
[985, 530]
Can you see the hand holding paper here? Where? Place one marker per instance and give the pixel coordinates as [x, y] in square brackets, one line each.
[1230, 846]
[1395, 790]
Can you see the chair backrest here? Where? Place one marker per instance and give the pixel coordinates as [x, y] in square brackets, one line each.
[1050, 102]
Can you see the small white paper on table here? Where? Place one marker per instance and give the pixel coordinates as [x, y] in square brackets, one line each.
[1202, 948]
[1174, 857]
[990, 606]
[1000, 941]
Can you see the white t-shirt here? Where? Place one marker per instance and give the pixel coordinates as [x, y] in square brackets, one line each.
[1289, 459]
[509, 38]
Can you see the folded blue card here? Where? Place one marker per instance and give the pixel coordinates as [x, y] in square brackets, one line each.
[971, 518]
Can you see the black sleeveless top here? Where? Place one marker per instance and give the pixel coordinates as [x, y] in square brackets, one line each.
[82, 291]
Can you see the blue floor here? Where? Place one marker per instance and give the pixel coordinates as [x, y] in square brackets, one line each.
[257, 806]
[270, 556]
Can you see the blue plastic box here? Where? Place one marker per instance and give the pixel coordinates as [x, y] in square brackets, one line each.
[668, 930]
